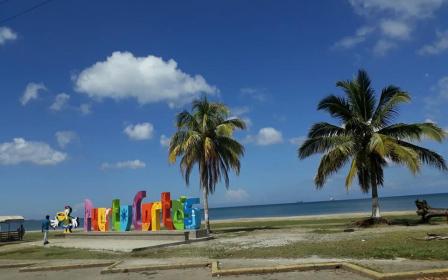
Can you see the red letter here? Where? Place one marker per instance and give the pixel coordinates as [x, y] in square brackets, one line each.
[166, 211]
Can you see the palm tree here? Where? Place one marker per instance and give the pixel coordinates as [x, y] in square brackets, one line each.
[367, 138]
[205, 137]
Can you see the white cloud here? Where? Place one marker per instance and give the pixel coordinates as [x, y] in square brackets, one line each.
[20, 151]
[140, 131]
[236, 195]
[351, 41]
[85, 108]
[65, 137]
[442, 87]
[60, 101]
[248, 122]
[257, 94]
[401, 8]
[6, 34]
[265, 136]
[428, 120]
[434, 102]
[394, 21]
[297, 140]
[31, 92]
[437, 47]
[164, 140]
[383, 46]
[148, 79]
[241, 110]
[130, 164]
[395, 29]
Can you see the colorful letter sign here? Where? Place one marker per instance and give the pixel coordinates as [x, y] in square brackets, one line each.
[177, 214]
[125, 217]
[88, 208]
[116, 214]
[137, 210]
[166, 210]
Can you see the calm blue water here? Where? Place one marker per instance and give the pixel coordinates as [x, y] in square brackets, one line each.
[397, 203]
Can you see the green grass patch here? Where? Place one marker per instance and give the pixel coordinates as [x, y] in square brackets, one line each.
[387, 245]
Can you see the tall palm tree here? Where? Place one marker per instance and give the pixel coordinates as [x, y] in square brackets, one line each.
[367, 138]
[205, 137]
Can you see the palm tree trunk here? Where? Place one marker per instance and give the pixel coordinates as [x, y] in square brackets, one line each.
[375, 203]
[205, 201]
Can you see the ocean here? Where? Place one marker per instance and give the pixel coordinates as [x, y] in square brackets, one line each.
[395, 203]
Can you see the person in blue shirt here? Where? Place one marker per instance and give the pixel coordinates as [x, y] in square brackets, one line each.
[46, 228]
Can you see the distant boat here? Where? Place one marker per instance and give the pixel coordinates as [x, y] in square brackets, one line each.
[332, 198]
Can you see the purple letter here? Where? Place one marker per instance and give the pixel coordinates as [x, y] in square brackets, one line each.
[88, 206]
[137, 210]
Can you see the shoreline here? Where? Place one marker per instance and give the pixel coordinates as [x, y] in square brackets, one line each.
[296, 218]
[312, 217]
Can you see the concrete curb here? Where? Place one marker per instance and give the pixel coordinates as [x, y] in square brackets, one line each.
[15, 265]
[216, 271]
[63, 267]
[154, 267]
[370, 273]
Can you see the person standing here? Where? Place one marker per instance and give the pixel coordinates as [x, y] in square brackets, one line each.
[46, 228]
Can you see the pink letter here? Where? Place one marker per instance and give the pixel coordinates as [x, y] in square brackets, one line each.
[88, 206]
[137, 210]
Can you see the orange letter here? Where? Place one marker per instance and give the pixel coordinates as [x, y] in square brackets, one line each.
[166, 211]
[103, 219]
[146, 216]
[155, 215]
[95, 219]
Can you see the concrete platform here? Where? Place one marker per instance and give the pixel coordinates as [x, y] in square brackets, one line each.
[179, 235]
[117, 245]
[129, 241]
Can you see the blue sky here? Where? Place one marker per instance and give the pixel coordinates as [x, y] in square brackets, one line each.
[90, 90]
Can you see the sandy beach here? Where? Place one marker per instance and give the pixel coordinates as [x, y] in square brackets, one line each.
[313, 217]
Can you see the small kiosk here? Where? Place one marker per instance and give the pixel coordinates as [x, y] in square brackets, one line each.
[11, 228]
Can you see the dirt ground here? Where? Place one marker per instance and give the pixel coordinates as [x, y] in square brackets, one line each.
[197, 274]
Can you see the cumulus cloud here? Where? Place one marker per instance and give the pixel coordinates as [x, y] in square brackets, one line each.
[148, 79]
[395, 29]
[59, 102]
[401, 8]
[351, 41]
[438, 46]
[21, 151]
[164, 140]
[6, 34]
[434, 102]
[257, 94]
[236, 195]
[140, 131]
[65, 137]
[265, 136]
[383, 46]
[392, 21]
[240, 112]
[297, 140]
[31, 92]
[130, 164]
[85, 108]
